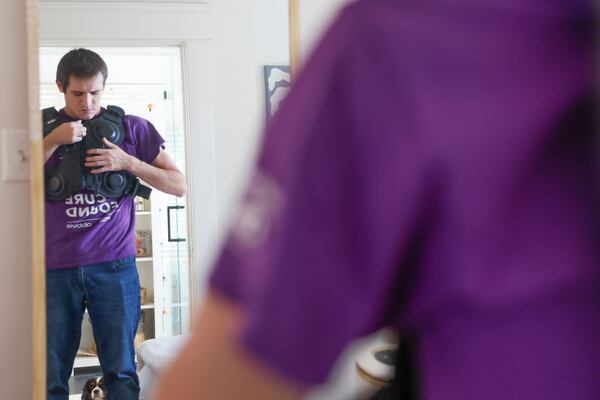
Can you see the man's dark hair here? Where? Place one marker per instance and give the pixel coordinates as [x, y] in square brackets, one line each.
[82, 64]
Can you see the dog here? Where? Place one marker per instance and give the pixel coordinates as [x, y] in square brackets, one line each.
[94, 389]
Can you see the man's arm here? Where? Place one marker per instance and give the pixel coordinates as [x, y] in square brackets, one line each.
[213, 366]
[50, 147]
[162, 174]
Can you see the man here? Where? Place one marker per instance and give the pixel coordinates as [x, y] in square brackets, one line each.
[432, 170]
[90, 248]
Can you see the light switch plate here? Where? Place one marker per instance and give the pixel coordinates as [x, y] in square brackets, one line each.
[15, 155]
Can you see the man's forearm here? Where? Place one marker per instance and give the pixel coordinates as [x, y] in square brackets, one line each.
[166, 180]
[49, 148]
[213, 365]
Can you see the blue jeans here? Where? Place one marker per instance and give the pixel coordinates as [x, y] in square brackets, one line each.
[111, 293]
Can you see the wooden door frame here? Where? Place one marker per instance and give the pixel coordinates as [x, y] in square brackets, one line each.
[294, 23]
[36, 182]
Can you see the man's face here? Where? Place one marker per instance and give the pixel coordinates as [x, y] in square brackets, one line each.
[83, 96]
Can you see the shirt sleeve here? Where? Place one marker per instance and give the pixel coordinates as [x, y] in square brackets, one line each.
[146, 138]
[315, 255]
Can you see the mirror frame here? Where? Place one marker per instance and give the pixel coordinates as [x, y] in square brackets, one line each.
[37, 184]
[294, 31]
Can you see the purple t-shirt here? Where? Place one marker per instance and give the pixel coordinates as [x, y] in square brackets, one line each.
[424, 174]
[89, 228]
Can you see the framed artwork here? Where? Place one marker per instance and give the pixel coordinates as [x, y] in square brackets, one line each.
[277, 85]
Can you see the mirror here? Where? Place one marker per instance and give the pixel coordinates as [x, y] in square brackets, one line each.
[205, 75]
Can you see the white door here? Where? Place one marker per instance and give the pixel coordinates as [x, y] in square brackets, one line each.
[147, 82]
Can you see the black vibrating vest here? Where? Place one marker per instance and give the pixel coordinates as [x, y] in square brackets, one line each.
[71, 176]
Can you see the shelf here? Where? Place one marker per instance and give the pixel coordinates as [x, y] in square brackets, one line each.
[143, 212]
[143, 259]
[148, 306]
[86, 361]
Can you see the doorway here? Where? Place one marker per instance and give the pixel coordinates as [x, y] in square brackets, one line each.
[147, 82]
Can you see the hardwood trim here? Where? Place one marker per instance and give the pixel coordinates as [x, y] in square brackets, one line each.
[36, 182]
[294, 6]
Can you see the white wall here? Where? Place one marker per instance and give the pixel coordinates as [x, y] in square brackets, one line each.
[247, 35]
[15, 284]
[315, 17]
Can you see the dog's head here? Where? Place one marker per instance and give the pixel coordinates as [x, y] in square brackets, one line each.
[94, 389]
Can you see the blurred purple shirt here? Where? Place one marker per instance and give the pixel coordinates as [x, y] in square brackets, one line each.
[432, 170]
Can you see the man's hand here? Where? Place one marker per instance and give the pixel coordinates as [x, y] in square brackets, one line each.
[68, 133]
[161, 174]
[110, 159]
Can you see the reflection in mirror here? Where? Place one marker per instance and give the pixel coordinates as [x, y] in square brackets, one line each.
[107, 246]
[207, 96]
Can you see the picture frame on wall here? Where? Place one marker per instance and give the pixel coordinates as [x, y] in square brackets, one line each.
[277, 84]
